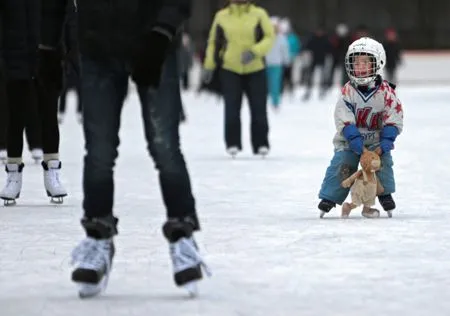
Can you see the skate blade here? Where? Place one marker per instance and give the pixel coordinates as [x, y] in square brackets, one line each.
[322, 214]
[87, 290]
[57, 200]
[9, 202]
[389, 214]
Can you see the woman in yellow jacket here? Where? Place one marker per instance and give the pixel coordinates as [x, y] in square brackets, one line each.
[240, 36]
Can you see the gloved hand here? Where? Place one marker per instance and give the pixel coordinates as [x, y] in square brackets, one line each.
[354, 138]
[247, 57]
[148, 60]
[387, 137]
[207, 75]
[49, 68]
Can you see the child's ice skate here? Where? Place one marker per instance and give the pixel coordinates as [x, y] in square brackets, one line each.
[263, 151]
[53, 186]
[3, 156]
[11, 191]
[388, 203]
[93, 257]
[233, 151]
[186, 260]
[325, 206]
[37, 154]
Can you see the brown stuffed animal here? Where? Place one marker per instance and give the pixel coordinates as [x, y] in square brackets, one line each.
[364, 185]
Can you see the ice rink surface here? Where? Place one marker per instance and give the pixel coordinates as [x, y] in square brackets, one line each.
[269, 252]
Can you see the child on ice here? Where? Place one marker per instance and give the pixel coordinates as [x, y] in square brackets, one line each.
[367, 114]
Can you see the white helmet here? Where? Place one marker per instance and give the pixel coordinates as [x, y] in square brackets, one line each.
[365, 46]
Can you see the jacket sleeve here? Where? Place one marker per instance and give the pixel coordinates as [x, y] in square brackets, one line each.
[344, 112]
[263, 47]
[393, 110]
[172, 14]
[211, 47]
[53, 14]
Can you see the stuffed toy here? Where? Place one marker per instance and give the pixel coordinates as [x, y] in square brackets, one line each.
[364, 185]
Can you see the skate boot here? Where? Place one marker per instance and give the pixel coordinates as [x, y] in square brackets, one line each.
[52, 183]
[387, 202]
[11, 191]
[37, 154]
[3, 156]
[92, 258]
[186, 260]
[233, 151]
[60, 118]
[263, 151]
[325, 206]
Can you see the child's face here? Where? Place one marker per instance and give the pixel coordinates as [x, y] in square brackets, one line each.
[363, 66]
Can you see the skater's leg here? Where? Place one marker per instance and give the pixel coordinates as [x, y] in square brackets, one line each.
[104, 87]
[343, 164]
[255, 87]
[232, 89]
[160, 112]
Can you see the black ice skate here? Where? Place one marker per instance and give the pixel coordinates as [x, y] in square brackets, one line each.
[325, 206]
[388, 203]
[186, 260]
[93, 257]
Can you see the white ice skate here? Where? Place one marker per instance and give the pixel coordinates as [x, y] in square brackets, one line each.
[80, 118]
[233, 151]
[263, 151]
[3, 156]
[37, 154]
[60, 118]
[92, 260]
[187, 264]
[53, 186]
[11, 191]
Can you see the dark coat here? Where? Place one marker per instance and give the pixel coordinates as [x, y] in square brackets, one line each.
[20, 28]
[113, 28]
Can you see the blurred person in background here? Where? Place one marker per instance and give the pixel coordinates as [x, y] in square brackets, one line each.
[71, 65]
[339, 44]
[294, 45]
[276, 60]
[360, 31]
[393, 54]
[27, 90]
[319, 48]
[186, 60]
[240, 37]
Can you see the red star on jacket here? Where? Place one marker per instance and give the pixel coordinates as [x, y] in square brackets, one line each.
[388, 102]
[385, 117]
[398, 107]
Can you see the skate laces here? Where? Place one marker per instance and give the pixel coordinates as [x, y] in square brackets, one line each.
[185, 255]
[92, 254]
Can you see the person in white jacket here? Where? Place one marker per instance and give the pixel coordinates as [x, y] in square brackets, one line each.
[368, 115]
[276, 59]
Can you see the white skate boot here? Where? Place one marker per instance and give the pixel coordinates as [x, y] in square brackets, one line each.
[186, 260]
[3, 156]
[11, 191]
[52, 183]
[233, 151]
[37, 154]
[263, 151]
[92, 259]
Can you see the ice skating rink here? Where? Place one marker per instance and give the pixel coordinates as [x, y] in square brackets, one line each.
[269, 252]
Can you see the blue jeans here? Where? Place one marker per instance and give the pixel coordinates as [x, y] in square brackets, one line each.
[104, 88]
[343, 165]
[274, 80]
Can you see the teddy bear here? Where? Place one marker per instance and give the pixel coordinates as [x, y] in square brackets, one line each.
[364, 185]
